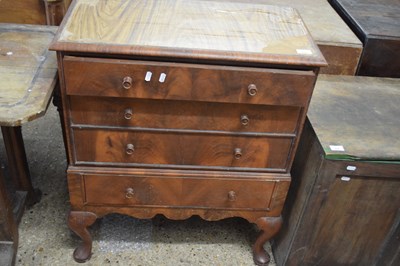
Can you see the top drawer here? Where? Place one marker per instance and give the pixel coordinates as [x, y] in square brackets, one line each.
[157, 80]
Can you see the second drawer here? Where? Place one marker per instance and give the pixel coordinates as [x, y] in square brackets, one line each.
[164, 148]
[183, 115]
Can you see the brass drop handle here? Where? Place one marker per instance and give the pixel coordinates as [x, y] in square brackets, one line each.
[238, 153]
[231, 195]
[130, 149]
[129, 193]
[127, 82]
[244, 119]
[128, 114]
[252, 90]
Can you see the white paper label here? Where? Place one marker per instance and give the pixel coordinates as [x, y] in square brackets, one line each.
[148, 76]
[345, 178]
[303, 51]
[351, 168]
[336, 147]
[162, 77]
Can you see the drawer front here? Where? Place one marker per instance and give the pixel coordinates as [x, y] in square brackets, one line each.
[162, 148]
[183, 115]
[156, 80]
[179, 192]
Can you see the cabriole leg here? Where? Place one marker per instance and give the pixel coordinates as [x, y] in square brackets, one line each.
[268, 226]
[78, 222]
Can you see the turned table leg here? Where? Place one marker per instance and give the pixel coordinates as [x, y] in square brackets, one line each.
[18, 164]
[78, 222]
[268, 226]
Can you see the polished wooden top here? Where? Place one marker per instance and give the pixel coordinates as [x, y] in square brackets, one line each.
[193, 29]
[359, 116]
[28, 72]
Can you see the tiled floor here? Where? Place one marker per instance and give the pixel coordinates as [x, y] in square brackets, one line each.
[117, 240]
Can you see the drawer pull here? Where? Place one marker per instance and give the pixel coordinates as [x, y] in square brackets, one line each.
[128, 114]
[127, 83]
[231, 196]
[129, 193]
[130, 149]
[238, 153]
[244, 119]
[252, 90]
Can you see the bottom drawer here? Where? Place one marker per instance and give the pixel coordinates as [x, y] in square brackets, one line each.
[226, 193]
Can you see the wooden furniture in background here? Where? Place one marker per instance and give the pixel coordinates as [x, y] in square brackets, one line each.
[28, 74]
[339, 45]
[42, 12]
[377, 24]
[8, 226]
[182, 108]
[343, 206]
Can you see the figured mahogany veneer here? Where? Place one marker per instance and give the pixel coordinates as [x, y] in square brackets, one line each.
[156, 191]
[168, 114]
[142, 113]
[106, 146]
[127, 78]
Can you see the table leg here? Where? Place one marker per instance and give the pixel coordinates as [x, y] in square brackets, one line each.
[17, 163]
[8, 227]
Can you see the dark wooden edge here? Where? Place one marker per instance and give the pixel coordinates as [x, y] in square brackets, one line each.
[174, 173]
[351, 23]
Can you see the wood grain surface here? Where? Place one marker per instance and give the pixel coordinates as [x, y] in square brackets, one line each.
[165, 148]
[189, 29]
[334, 214]
[28, 72]
[377, 24]
[337, 42]
[22, 11]
[138, 113]
[178, 192]
[362, 110]
[372, 17]
[105, 77]
[76, 177]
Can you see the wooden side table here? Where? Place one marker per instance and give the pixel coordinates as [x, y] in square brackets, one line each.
[28, 75]
[377, 24]
[343, 206]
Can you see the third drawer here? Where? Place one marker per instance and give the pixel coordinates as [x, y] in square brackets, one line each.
[124, 148]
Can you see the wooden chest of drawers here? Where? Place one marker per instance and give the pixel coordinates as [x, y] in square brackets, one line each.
[197, 113]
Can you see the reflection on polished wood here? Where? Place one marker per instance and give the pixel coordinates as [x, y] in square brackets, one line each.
[197, 29]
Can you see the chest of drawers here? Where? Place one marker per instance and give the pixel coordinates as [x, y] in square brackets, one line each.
[189, 108]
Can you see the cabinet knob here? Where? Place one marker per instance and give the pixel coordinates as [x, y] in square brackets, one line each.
[252, 90]
[244, 119]
[129, 193]
[128, 114]
[130, 149]
[127, 83]
[238, 153]
[231, 196]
